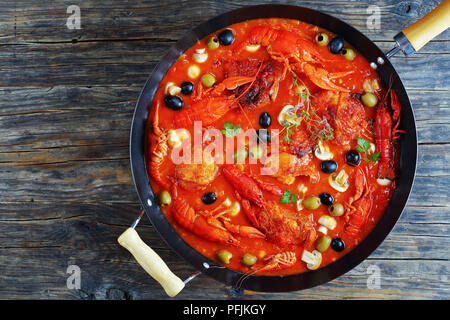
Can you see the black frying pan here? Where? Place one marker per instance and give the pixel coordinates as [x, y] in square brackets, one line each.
[408, 151]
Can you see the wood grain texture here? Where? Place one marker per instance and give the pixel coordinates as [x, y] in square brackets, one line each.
[66, 193]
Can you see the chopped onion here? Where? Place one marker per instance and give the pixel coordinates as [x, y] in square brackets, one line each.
[193, 71]
[235, 209]
[168, 85]
[322, 229]
[227, 202]
[301, 188]
[200, 56]
[176, 137]
[328, 221]
[371, 149]
[383, 182]
[252, 47]
[299, 205]
[174, 90]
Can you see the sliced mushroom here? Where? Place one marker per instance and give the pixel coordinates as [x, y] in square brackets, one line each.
[312, 259]
[288, 116]
[339, 182]
[323, 152]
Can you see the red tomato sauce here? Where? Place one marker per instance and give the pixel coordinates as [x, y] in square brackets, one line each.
[215, 64]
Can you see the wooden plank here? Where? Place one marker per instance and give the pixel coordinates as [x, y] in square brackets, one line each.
[66, 193]
[112, 63]
[92, 237]
[31, 112]
[28, 21]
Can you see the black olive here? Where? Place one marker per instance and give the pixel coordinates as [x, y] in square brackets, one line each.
[264, 136]
[326, 199]
[337, 244]
[226, 37]
[353, 158]
[265, 120]
[209, 198]
[174, 102]
[329, 166]
[336, 45]
[187, 88]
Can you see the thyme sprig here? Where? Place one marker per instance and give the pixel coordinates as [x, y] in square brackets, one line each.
[319, 128]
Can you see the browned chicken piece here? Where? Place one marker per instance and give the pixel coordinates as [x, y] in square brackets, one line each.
[344, 112]
[290, 166]
[300, 141]
[193, 176]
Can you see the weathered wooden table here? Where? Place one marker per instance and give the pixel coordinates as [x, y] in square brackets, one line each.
[66, 102]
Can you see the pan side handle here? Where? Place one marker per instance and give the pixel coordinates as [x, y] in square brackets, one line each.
[434, 23]
[151, 262]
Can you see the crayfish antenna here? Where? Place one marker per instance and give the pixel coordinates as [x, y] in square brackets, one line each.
[246, 275]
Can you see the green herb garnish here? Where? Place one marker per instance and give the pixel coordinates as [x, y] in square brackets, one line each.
[287, 197]
[229, 131]
[288, 127]
[364, 145]
[372, 158]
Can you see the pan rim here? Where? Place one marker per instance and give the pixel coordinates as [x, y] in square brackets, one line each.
[228, 276]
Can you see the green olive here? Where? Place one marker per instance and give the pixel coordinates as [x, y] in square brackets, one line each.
[208, 80]
[311, 203]
[369, 99]
[224, 256]
[241, 155]
[248, 260]
[212, 43]
[164, 198]
[348, 53]
[322, 39]
[256, 152]
[336, 209]
[323, 243]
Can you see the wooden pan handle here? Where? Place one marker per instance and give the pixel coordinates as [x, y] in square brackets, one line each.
[151, 262]
[435, 22]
